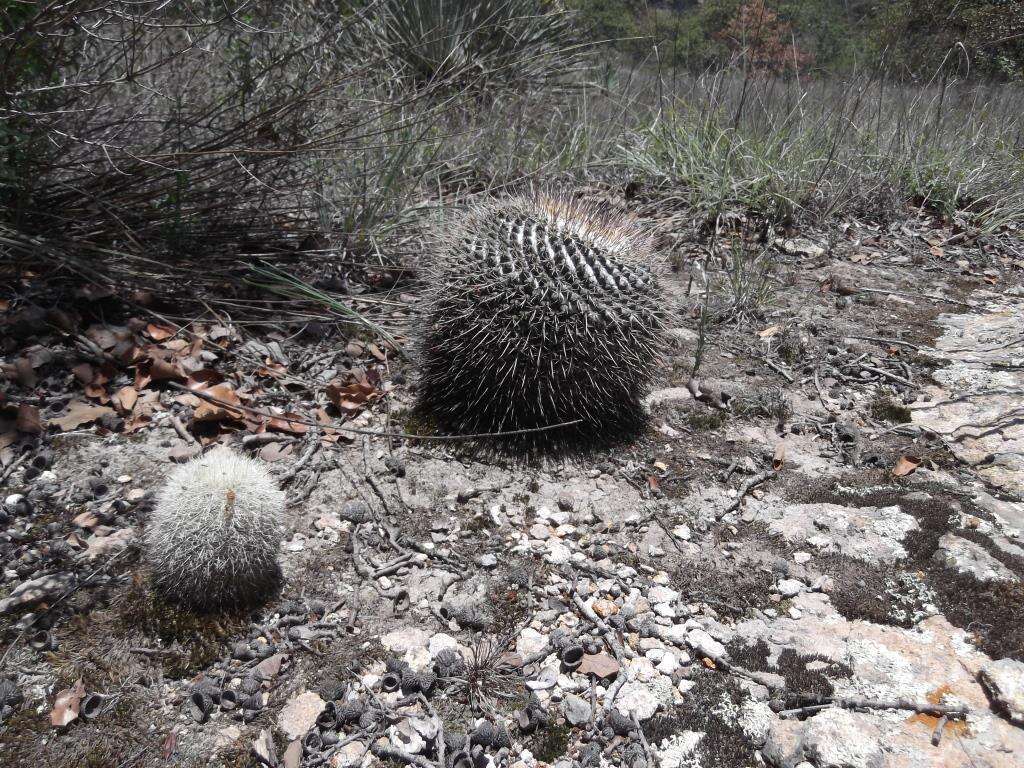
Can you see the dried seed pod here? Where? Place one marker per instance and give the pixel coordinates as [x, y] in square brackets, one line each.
[465, 616]
[621, 725]
[249, 686]
[42, 641]
[518, 577]
[417, 682]
[484, 734]
[571, 656]
[541, 310]
[391, 681]
[454, 740]
[214, 533]
[590, 755]
[329, 738]
[449, 663]
[426, 680]
[356, 512]
[332, 689]
[502, 739]
[369, 718]
[460, 759]
[328, 718]
[228, 699]
[634, 756]
[199, 705]
[312, 742]
[396, 665]
[10, 694]
[253, 703]
[92, 706]
[349, 711]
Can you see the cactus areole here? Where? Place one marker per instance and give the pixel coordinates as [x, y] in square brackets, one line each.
[541, 310]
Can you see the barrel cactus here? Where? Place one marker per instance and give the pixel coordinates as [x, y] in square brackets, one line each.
[540, 310]
[213, 537]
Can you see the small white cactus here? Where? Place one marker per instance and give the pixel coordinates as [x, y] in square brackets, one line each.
[214, 534]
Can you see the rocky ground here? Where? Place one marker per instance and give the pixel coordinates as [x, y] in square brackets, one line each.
[823, 566]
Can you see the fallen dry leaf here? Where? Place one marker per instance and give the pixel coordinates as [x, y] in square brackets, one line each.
[183, 452]
[104, 336]
[284, 423]
[272, 452]
[24, 372]
[84, 373]
[79, 413]
[176, 345]
[208, 411]
[28, 421]
[170, 744]
[354, 394]
[125, 398]
[159, 332]
[600, 665]
[905, 465]
[770, 331]
[65, 706]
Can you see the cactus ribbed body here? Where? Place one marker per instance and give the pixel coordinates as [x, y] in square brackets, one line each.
[540, 311]
[214, 534]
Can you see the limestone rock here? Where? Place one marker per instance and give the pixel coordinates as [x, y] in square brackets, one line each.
[300, 714]
[968, 557]
[575, 709]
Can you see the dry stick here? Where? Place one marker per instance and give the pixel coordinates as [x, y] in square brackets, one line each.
[643, 740]
[821, 395]
[598, 622]
[753, 482]
[13, 466]
[369, 432]
[939, 727]
[855, 702]
[182, 432]
[779, 370]
[883, 340]
[908, 294]
[886, 374]
[314, 444]
[400, 755]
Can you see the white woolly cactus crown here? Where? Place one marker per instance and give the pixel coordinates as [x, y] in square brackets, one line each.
[540, 310]
[213, 537]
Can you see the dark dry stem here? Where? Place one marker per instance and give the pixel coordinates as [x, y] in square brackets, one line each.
[368, 432]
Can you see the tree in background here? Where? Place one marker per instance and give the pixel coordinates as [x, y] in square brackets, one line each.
[763, 42]
[918, 35]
